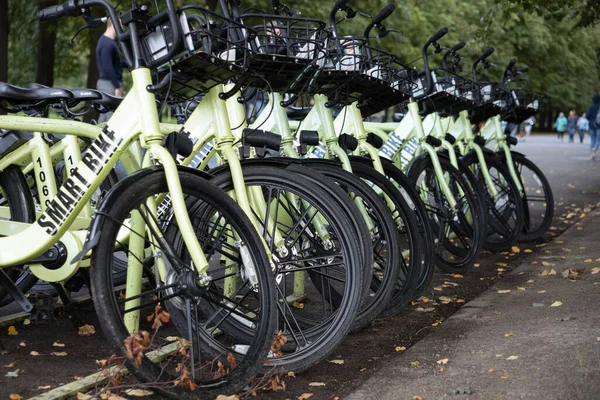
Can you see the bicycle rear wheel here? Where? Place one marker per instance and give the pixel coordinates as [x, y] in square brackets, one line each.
[236, 295]
[320, 274]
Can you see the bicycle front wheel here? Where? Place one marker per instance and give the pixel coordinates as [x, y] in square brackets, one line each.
[167, 299]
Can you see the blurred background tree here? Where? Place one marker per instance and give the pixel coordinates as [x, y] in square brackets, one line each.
[556, 39]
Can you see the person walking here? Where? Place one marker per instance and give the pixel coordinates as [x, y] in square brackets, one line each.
[109, 65]
[592, 115]
[528, 126]
[571, 124]
[583, 125]
[560, 125]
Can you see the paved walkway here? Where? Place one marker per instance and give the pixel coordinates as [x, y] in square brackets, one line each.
[540, 340]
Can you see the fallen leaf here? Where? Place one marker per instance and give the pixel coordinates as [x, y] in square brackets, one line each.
[46, 387]
[83, 396]
[338, 362]
[441, 369]
[570, 274]
[59, 353]
[552, 272]
[14, 396]
[400, 348]
[442, 361]
[304, 396]
[415, 363]
[13, 374]
[530, 281]
[556, 304]
[26, 321]
[172, 338]
[458, 276]
[460, 300]
[86, 330]
[444, 300]
[527, 251]
[232, 397]
[291, 374]
[362, 369]
[571, 186]
[587, 260]
[316, 384]
[57, 344]
[450, 283]
[512, 358]
[547, 264]
[34, 353]
[509, 334]
[520, 288]
[12, 331]
[598, 339]
[504, 291]
[504, 377]
[11, 365]
[490, 370]
[595, 270]
[438, 289]
[76, 378]
[541, 291]
[538, 304]
[138, 392]
[418, 398]
[477, 265]
[436, 323]
[298, 305]
[424, 299]
[515, 249]
[22, 344]
[428, 309]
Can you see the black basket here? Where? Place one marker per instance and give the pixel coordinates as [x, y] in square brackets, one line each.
[354, 71]
[522, 104]
[490, 100]
[450, 93]
[285, 51]
[216, 50]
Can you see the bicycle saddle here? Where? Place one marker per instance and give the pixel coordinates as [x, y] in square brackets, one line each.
[18, 94]
[107, 102]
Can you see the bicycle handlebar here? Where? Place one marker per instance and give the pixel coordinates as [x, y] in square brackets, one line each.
[432, 40]
[488, 52]
[453, 50]
[457, 47]
[383, 14]
[67, 9]
[339, 4]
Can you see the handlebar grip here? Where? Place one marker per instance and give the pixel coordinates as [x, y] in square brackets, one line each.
[511, 63]
[488, 52]
[522, 70]
[383, 14]
[438, 35]
[68, 8]
[340, 3]
[457, 47]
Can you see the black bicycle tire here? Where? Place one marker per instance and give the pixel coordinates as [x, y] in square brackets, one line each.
[142, 185]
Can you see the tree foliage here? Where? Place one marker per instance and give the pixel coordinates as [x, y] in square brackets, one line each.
[557, 40]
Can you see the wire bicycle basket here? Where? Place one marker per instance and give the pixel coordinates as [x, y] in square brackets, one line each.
[215, 51]
[354, 71]
[450, 93]
[490, 100]
[285, 51]
[522, 104]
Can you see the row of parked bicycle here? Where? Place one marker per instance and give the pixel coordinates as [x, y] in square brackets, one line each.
[261, 245]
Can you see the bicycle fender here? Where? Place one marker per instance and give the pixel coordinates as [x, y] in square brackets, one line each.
[99, 218]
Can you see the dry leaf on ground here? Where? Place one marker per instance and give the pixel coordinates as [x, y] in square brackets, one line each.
[13, 374]
[400, 348]
[304, 396]
[515, 249]
[12, 331]
[509, 334]
[318, 384]
[556, 304]
[512, 358]
[34, 353]
[232, 397]
[595, 270]
[338, 362]
[45, 387]
[291, 374]
[14, 396]
[442, 361]
[504, 291]
[86, 330]
[58, 344]
[444, 299]
[428, 309]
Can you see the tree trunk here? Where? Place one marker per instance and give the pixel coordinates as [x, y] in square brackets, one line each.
[45, 50]
[3, 43]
